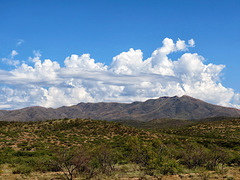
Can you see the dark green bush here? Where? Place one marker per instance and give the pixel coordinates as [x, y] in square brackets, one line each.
[103, 159]
[194, 156]
[22, 170]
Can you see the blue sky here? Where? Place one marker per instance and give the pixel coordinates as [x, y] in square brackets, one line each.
[57, 29]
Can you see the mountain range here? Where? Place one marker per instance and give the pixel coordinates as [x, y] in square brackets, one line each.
[184, 107]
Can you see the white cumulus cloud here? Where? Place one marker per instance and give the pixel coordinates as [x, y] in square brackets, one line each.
[128, 78]
[10, 60]
[13, 53]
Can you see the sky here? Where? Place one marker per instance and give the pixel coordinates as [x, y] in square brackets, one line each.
[63, 52]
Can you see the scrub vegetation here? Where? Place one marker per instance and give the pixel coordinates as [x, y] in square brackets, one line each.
[94, 149]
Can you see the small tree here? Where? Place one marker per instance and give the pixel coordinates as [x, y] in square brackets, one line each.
[104, 158]
[71, 161]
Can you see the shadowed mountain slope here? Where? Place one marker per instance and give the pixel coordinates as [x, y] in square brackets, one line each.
[184, 107]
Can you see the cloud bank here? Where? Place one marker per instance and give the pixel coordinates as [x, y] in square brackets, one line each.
[128, 78]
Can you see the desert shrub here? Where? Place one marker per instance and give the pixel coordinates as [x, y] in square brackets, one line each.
[204, 175]
[235, 159]
[22, 170]
[139, 153]
[41, 164]
[216, 157]
[103, 159]
[169, 166]
[152, 157]
[194, 156]
[6, 154]
[1, 171]
[162, 161]
[24, 153]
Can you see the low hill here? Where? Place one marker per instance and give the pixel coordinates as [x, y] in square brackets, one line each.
[164, 123]
[110, 150]
[157, 123]
[184, 107]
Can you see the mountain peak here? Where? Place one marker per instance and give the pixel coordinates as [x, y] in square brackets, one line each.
[184, 107]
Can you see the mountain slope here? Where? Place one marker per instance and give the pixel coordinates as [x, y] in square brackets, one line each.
[184, 107]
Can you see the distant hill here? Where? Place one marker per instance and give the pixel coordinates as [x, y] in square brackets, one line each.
[173, 123]
[184, 107]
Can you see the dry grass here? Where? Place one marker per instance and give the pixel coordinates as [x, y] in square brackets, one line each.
[132, 174]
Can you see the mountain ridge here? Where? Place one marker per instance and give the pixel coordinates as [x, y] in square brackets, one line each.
[175, 107]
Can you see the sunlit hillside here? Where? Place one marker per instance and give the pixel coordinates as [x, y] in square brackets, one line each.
[83, 148]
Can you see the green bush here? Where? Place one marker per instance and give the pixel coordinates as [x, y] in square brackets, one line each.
[235, 159]
[103, 159]
[22, 170]
[169, 166]
[6, 154]
[194, 156]
[216, 157]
